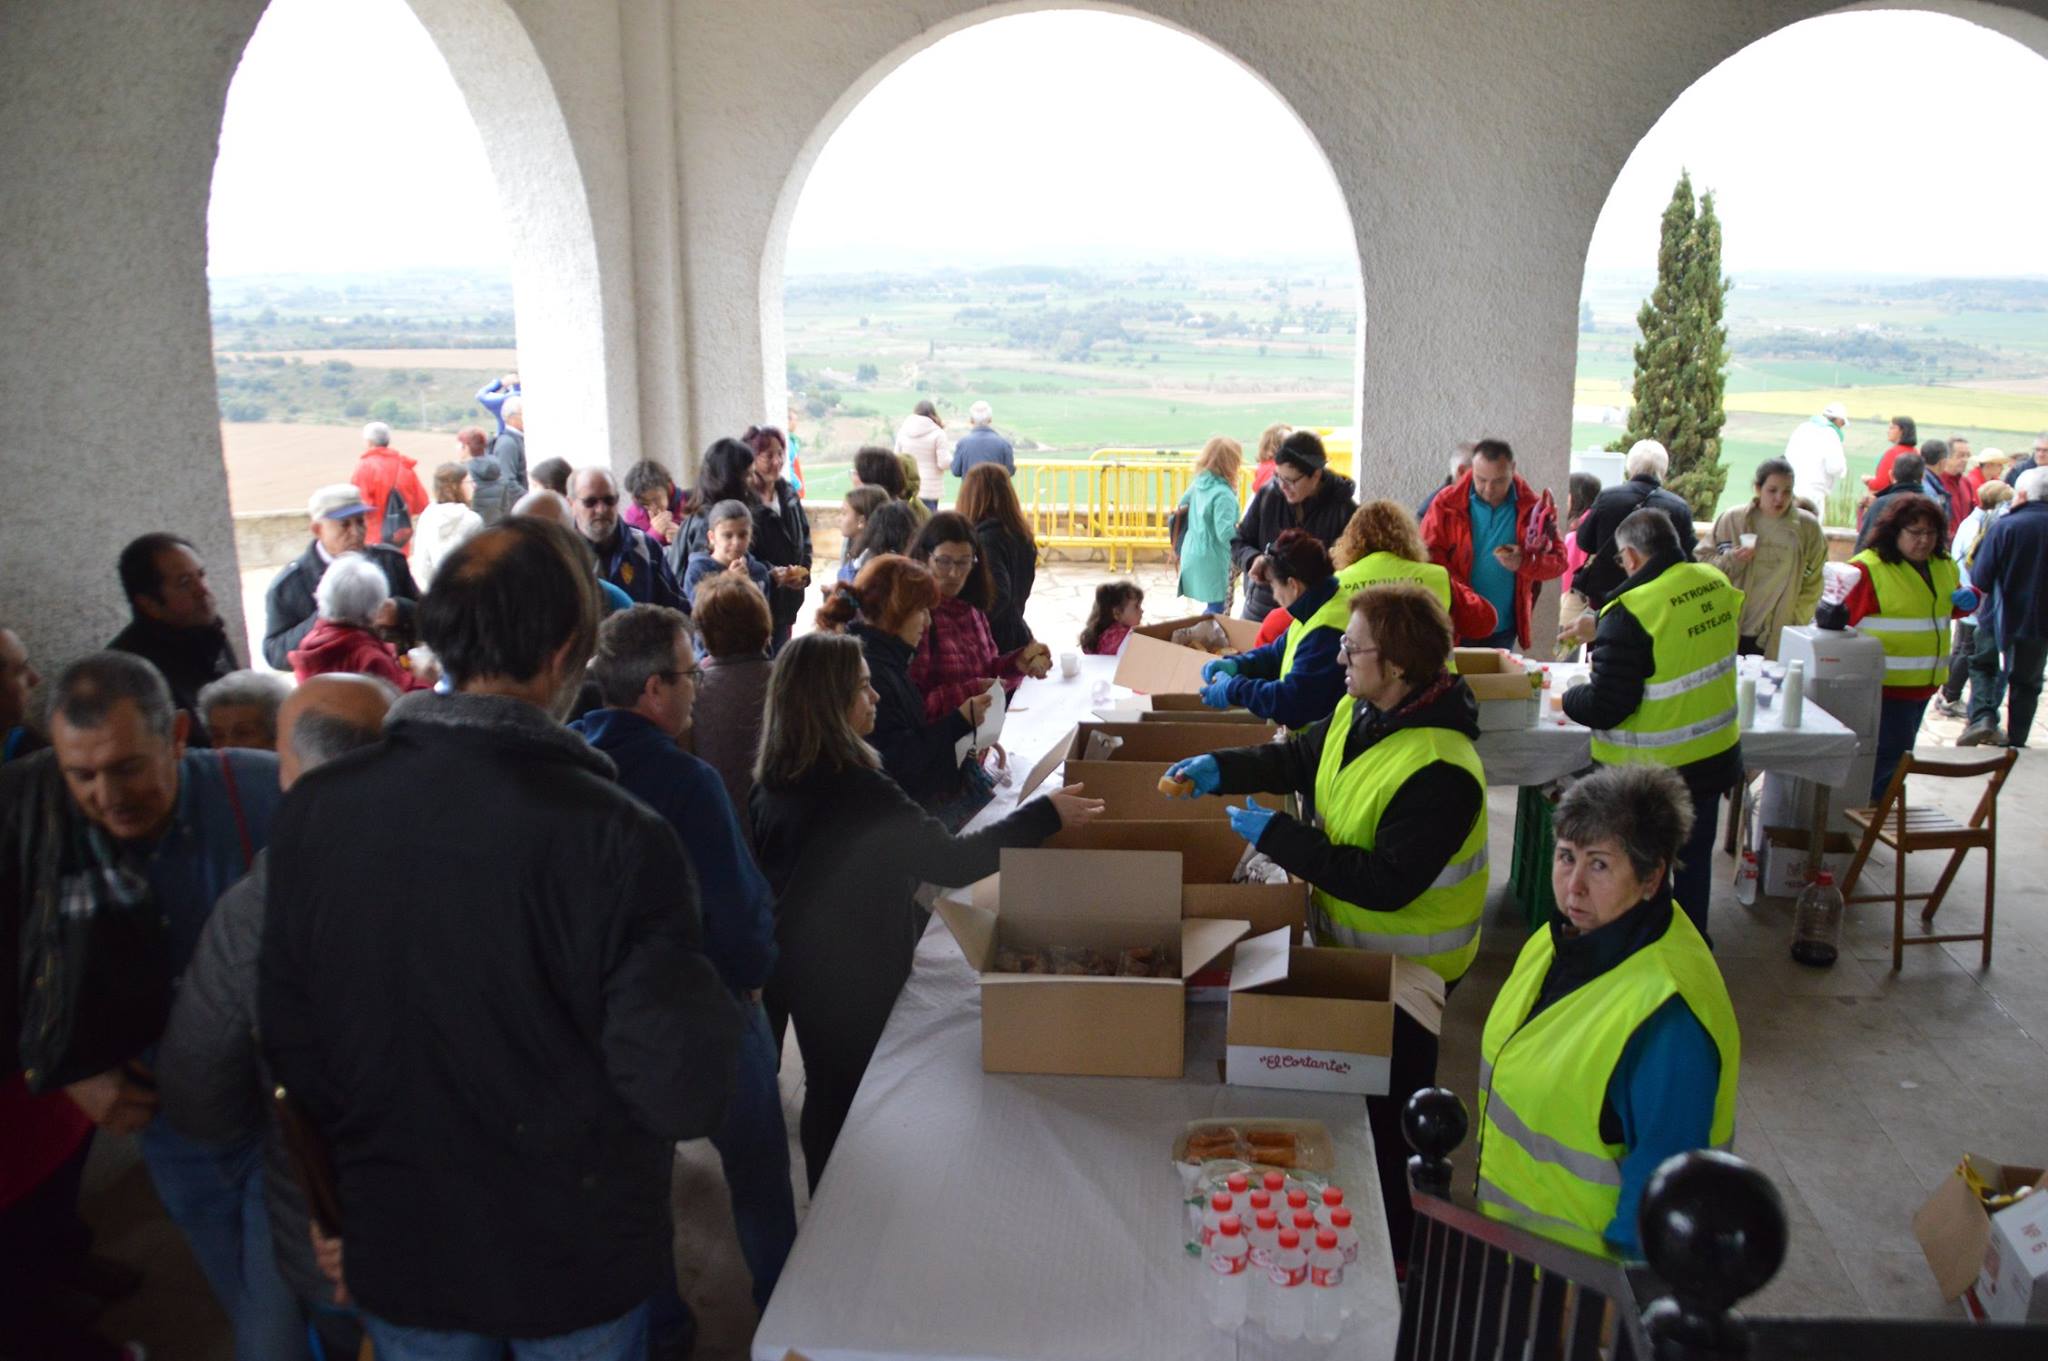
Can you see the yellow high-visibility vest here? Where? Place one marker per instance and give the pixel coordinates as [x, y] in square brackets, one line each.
[1374, 568]
[1542, 1082]
[1912, 618]
[1439, 927]
[1693, 616]
[1334, 613]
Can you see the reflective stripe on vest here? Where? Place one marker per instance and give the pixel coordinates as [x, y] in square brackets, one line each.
[1439, 927]
[1334, 613]
[1912, 617]
[1542, 1082]
[1687, 713]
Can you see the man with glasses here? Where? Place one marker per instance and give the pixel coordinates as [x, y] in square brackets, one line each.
[1303, 494]
[339, 521]
[648, 673]
[626, 557]
[2037, 459]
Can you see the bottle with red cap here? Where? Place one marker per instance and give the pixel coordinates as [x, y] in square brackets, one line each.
[1265, 1236]
[1286, 1309]
[1226, 1257]
[1347, 1243]
[1274, 1184]
[1325, 1288]
[1220, 1205]
[1333, 1199]
[1297, 1203]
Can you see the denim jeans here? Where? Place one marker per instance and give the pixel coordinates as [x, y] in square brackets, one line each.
[1503, 638]
[754, 1146]
[1898, 728]
[1214, 607]
[1987, 676]
[622, 1339]
[1692, 884]
[214, 1194]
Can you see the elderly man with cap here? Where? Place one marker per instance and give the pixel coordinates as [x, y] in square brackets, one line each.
[1988, 465]
[1815, 453]
[339, 521]
[211, 1079]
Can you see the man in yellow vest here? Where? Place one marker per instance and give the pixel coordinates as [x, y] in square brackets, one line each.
[1662, 690]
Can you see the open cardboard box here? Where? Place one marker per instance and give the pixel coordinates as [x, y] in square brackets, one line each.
[1321, 1020]
[1988, 1255]
[1106, 900]
[1129, 791]
[1507, 698]
[1151, 664]
[1142, 742]
[1190, 709]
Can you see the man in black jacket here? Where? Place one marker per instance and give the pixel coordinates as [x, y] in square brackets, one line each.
[1601, 575]
[499, 1046]
[340, 526]
[1304, 494]
[175, 625]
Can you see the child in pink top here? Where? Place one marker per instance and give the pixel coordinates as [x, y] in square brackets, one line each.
[1119, 608]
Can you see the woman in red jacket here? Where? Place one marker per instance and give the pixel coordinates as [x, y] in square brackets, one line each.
[1904, 434]
[351, 599]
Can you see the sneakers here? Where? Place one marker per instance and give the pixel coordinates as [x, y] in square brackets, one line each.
[1980, 734]
[1950, 708]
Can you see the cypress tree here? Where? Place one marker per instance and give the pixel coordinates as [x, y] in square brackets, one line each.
[1682, 359]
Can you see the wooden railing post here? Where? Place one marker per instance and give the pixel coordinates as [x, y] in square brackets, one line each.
[1713, 1230]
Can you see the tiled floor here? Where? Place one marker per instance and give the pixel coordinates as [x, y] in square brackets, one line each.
[1860, 1087]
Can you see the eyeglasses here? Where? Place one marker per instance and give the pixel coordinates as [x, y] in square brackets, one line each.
[1287, 481]
[593, 502]
[693, 673]
[949, 564]
[1347, 648]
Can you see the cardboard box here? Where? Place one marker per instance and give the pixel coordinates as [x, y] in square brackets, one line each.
[1506, 697]
[1130, 791]
[1268, 907]
[1783, 871]
[1148, 742]
[1999, 1258]
[1151, 664]
[1321, 1020]
[1106, 900]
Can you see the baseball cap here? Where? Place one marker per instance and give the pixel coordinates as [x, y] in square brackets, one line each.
[1989, 455]
[336, 502]
[1835, 411]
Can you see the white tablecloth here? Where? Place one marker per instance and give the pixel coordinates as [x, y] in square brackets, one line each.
[973, 1215]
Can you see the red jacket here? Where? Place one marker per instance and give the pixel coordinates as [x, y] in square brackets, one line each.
[345, 647]
[379, 472]
[1447, 534]
[1882, 478]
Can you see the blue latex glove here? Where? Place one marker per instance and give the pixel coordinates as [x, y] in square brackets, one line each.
[1250, 821]
[1222, 666]
[1964, 598]
[1216, 694]
[1200, 771]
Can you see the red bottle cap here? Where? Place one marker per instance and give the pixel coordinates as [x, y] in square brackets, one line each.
[1825, 877]
[1296, 1199]
[1333, 1196]
[1268, 1220]
[1220, 1201]
[1237, 1183]
[1341, 1218]
[1273, 1182]
[1326, 1240]
[1229, 1228]
[1289, 1238]
[1260, 1200]
[1304, 1221]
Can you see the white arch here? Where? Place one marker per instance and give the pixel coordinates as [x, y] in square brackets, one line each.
[774, 344]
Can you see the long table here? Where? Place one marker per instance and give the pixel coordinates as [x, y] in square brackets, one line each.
[978, 1216]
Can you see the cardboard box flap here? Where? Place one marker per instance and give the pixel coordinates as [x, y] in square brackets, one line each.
[1209, 850]
[1262, 960]
[973, 927]
[1953, 1231]
[1419, 991]
[1139, 885]
[1153, 664]
[1204, 938]
[1047, 764]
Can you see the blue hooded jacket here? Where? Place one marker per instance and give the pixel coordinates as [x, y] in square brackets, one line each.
[1310, 690]
[738, 907]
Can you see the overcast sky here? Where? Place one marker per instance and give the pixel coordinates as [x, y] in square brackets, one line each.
[1821, 156]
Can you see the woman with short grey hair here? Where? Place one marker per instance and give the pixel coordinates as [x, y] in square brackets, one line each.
[349, 601]
[240, 709]
[1613, 1045]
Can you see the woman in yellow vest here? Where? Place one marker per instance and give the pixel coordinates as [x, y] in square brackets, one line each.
[1381, 543]
[1909, 590]
[1297, 678]
[1613, 1044]
[1399, 861]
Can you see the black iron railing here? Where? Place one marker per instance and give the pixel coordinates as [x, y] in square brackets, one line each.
[1498, 1287]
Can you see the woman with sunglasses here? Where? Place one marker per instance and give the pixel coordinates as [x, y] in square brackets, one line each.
[1397, 862]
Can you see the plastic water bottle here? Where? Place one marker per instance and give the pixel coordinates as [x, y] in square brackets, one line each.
[1212, 1218]
[1265, 1236]
[1297, 1204]
[1795, 695]
[1274, 1185]
[1226, 1259]
[1745, 702]
[1325, 1289]
[1347, 1247]
[1260, 1202]
[1333, 1199]
[1817, 922]
[1286, 1310]
[1238, 1184]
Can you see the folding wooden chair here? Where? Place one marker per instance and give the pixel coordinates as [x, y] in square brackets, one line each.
[1907, 829]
